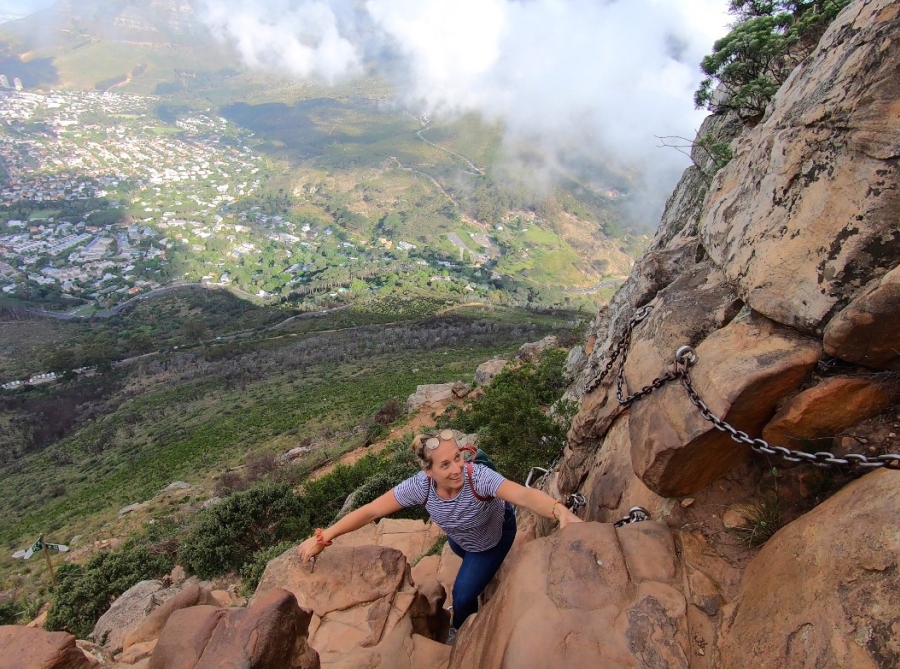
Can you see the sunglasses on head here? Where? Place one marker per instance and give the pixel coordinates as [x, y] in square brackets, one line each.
[444, 435]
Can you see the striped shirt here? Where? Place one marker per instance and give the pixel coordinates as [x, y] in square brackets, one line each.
[472, 524]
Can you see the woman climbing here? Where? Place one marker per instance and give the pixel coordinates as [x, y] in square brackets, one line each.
[473, 504]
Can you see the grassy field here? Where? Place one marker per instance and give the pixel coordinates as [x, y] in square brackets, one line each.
[192, 415]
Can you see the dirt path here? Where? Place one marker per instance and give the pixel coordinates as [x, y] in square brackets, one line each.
[421, 422]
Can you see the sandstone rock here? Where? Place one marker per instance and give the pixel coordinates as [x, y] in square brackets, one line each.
[744, 369]
[585, 593]
[27, 648]
[488, 370]
[293, 454]
[138, 652]
[460, 389]
[149, 627]
[125, 614]
[867, 331]
[805, 214]
[413, 538]
[824, 410]
[269, 634]
[429, 395]
[823, 591]
[611, 486]
[532, 351]
[362, 597]
[125, 510]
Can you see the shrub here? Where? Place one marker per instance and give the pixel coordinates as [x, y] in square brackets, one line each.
[84, 593]
[513, 426]
[230, 533]
[769, 39]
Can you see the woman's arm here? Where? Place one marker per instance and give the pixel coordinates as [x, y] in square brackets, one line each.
[537, 502]
[369, 513]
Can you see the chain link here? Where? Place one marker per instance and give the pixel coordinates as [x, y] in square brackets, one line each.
[618, 349]
[683, 362]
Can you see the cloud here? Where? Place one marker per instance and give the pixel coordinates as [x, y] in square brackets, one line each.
[576, 81]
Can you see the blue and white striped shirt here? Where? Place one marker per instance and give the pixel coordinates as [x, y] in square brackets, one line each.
[472, 524]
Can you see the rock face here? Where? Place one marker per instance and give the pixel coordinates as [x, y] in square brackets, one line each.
[126, 613]
[867, 331]
[590, 594]
[429, 395]
[805, 215]
[366, 612]
[28, 648]
[823, 591]
[268, 634]
[817, 414]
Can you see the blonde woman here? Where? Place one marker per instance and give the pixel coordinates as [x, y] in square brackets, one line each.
[472, 503]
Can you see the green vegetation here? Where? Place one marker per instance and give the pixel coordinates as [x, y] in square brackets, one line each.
[228, 535]
[768, 40]
[85, 592]
[511, 420]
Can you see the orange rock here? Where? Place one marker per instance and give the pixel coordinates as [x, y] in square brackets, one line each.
[28, 648]
[587, 596]
[867, 331]
[744, 369]
[823, 591]
[151, 626]
[271, 633]
[824, 410]
[361, 598]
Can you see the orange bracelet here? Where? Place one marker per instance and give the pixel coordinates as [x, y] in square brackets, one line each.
[553, 511]
[320, 538]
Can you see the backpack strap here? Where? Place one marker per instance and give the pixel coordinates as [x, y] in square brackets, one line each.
[471, 471]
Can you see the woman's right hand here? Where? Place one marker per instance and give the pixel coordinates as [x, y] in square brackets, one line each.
[309, 549]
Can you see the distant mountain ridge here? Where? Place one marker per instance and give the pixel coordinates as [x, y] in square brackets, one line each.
[154, 21]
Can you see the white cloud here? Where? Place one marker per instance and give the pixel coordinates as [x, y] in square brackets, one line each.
[575, 79]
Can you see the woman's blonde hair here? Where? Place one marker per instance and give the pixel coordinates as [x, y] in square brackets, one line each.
[423, 455]
[422, 452]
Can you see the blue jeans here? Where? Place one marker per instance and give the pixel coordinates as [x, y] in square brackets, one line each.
[478, 568]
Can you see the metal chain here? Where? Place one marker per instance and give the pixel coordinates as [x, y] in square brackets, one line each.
[686, 358]
[619, 348]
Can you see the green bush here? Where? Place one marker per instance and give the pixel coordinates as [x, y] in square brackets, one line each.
[84, 593]
[229, 534]
[750, 63]
[511, 419]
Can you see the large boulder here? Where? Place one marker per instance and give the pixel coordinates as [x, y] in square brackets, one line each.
[151, 626]
[805, 215]
[488, 370]
[532, 351]
[365, 608]
[815, 415]
[429, 395]
[590, 595]
[823, 591]
[413, 538]
[744, 369]
[127, 612]
[268, 634]
[867, 331]
[28, 648]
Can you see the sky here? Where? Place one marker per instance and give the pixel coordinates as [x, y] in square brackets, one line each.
[22, 7]
[571, 81]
